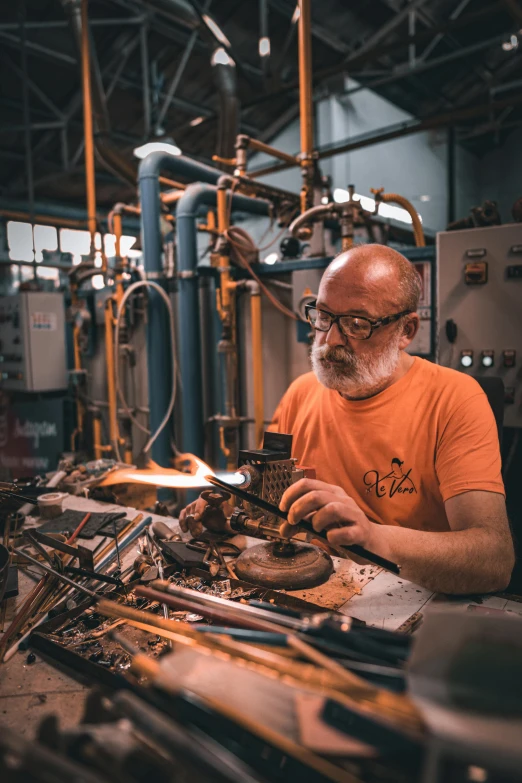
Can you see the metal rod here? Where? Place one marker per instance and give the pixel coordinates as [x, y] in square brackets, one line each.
[399, 130]
[173, 86]
[88, 126]
[58, 24]
[355, 549]
[116, 543]
[57, 574]
[306, 105]
[257, 360]
[27, 132]
[144, 51]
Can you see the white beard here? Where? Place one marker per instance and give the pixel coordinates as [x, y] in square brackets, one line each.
[354, 376]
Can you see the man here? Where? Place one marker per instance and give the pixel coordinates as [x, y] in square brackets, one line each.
[406, 452]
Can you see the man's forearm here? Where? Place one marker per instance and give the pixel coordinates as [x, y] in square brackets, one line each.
[475, 560]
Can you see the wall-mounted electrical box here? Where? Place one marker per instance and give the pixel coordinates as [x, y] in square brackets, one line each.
[480, 294]
[32, 342]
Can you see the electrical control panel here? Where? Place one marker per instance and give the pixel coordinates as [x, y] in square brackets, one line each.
[480, 307]
[32, 342]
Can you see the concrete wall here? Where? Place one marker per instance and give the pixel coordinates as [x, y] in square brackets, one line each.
[500, 174]
[413, 166]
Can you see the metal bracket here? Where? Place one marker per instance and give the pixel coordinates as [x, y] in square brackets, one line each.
[187, 274]
[83, 554]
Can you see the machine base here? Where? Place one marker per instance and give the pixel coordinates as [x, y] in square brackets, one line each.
[288, 566]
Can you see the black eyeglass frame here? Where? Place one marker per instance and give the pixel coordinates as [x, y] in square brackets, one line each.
[335, 319]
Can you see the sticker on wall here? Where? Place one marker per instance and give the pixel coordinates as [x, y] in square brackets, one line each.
[43, 322]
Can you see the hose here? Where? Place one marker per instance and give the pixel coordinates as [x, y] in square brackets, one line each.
[130, 290]
[418, 232]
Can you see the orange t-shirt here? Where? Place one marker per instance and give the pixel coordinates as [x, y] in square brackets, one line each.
[402, 453]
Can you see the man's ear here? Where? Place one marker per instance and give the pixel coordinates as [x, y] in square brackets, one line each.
[409, 330]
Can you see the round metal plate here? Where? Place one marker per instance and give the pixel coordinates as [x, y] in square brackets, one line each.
[306, 567]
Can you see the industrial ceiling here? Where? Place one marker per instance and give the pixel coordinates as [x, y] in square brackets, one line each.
[450, 64]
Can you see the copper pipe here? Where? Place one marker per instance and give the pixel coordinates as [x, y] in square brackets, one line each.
[257, 357]
[114, 434]
[118, 231]
[45, 220]
[306, 101]
[171, 197]
[171, 183]
[78, 432]
[260, 146]
[96, 437]
[387, 198]
[224, 260]
[87, 126]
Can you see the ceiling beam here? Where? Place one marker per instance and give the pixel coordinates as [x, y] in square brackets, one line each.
[16, 42]
[400, 130]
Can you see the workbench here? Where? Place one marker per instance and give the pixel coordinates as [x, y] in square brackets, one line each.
[28, 692]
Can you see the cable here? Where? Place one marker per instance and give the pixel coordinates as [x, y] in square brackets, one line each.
[130, 290]
[243, 245]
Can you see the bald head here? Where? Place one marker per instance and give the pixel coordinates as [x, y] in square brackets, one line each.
[376, 271]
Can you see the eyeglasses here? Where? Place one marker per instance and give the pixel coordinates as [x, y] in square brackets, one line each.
[355, 326]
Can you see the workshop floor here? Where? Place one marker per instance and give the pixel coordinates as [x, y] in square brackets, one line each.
[29, 692]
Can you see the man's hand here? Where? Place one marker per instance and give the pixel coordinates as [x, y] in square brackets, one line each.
[329, 508]
[190, 517]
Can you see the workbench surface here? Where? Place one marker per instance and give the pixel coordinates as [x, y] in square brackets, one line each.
[28, 692]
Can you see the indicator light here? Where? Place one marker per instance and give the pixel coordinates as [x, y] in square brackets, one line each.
[466, 358]
[509, 358]
[487, 358]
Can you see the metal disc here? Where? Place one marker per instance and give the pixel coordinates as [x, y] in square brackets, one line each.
[290, 567]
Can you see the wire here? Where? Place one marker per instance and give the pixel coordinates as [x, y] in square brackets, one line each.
[242, 246]
[130, 290]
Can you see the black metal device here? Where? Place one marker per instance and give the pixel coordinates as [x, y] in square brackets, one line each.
[359, 551]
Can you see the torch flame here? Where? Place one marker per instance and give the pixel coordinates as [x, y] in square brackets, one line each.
[170, 478]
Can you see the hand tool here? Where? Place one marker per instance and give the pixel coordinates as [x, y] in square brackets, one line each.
[355, 549]
[373, 645]
[31, 604]
[57, 574]
[84, 554]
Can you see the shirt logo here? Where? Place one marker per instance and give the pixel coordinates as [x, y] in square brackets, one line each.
[397, 482]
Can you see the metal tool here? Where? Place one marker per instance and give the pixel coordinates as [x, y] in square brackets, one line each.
[355, 549]
[57, 574]
[83, 554]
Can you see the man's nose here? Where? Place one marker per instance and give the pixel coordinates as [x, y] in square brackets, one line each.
[334, 336]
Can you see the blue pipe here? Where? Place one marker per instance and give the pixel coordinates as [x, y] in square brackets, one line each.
[158, 348]
[190, 337]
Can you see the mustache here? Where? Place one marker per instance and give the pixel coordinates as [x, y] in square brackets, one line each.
[334, 353]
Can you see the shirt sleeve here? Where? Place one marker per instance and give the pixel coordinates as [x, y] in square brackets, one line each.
[468, 451]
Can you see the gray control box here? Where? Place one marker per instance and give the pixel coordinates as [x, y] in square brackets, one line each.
[32, 342]
[480, 294]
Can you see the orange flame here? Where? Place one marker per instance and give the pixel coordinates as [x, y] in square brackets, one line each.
[164, 477]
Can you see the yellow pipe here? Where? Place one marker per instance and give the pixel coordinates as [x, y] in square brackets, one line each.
[257, 354]
[45, 220]
[118, 231]
[267, 149]
[306, 101]
[96, 437]
[114, 434]
[224, 304]
[395, 198]
[88, 126]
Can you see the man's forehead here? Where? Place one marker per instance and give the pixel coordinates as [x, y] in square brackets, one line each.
[352, 287]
